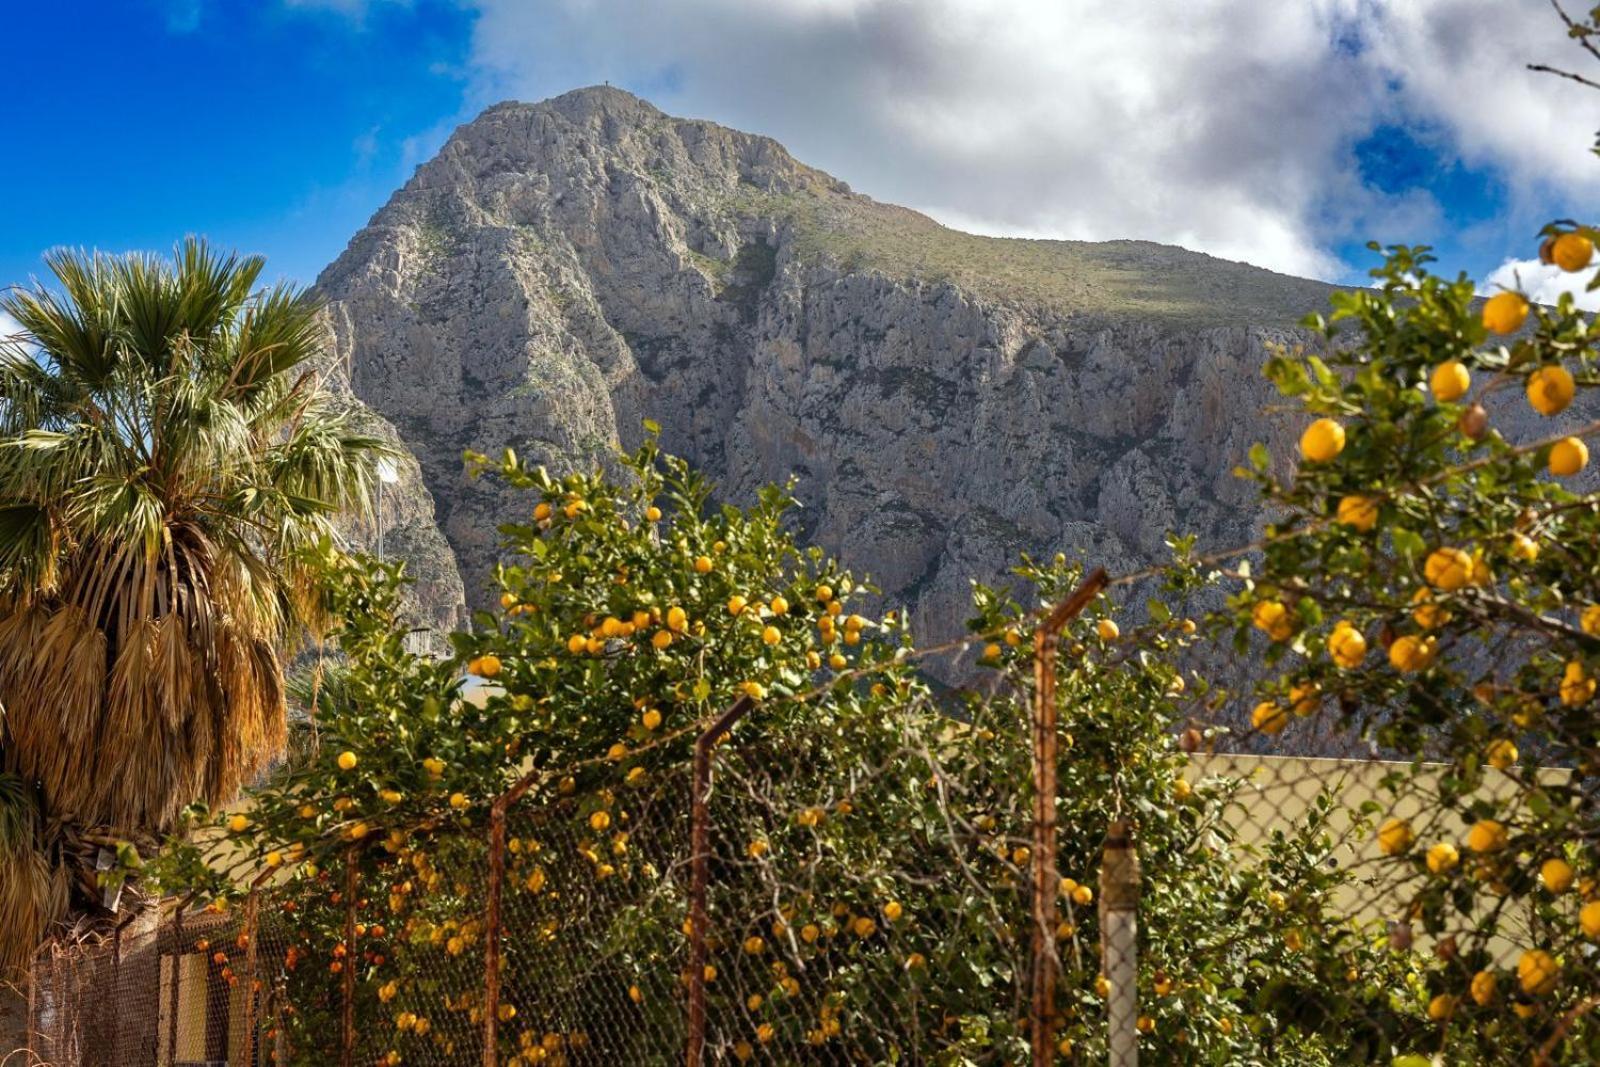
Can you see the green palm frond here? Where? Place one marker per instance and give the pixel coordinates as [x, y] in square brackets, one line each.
[166, 456]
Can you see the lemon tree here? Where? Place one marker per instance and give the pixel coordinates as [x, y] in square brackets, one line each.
[869, 868]
[1431, 588]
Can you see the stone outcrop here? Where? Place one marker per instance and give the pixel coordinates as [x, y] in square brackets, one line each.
[562, 271]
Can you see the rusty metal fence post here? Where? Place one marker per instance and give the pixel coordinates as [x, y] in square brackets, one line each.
[1119, 943]
[347, 1021]
[1046, 964]
[252, 927]
[492, 917]
[174, 986]
[700, 874]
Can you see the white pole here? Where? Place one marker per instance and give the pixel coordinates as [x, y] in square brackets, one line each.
[387, 475]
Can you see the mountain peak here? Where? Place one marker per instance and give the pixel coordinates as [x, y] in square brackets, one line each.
[564, 270]
[586, 105]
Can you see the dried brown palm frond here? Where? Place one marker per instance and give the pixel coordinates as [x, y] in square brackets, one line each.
[166, 456]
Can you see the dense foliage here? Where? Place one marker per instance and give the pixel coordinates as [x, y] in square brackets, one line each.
[869, 863]
[1433, 585]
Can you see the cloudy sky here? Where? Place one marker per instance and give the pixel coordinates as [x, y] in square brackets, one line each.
[1283, 134]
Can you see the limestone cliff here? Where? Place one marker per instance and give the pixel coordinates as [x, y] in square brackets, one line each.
[562, 271]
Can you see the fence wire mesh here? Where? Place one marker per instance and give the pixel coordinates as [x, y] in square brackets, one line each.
[870, 897]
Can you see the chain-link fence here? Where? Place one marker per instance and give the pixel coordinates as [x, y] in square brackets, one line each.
[1014, 882]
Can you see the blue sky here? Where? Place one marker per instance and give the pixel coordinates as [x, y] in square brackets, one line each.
[1285, 135]
[273, 129]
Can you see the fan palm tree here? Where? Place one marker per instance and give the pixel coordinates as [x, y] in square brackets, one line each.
[166, 455]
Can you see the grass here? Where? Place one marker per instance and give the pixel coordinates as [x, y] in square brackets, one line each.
[1114, 279]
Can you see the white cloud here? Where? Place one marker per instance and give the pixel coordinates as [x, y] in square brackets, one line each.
[1543, 283]
[8, 326]
[1224, 125]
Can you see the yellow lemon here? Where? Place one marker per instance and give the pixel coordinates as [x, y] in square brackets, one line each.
[1448, 569]
[1483, 987]
[1450, 381]
[577, 643]
[779, 605]
[1346, 645]
[1428, 615]
[1304, 698]
[239, 824]
[1568, 456]
[652, 514]
[661, 639]
[1556, 874]
[347, 761]
[702, 564]
[677, 619]
[1441, 1007]
[1589, 919]
[1590, 620]
[1269, 718]
[1486, 835]
[1524, 548]
[1410, 653]
[650, 719]
[1500, 754]
[1272, 618]
[599, 821]
[1395, 836]
[1358, 512]
[1571, 251]
[1577, 687]
[892, 911]
[1107, 630]
[1551, 389]
[771, 635]
[736, 604]
[1505, 312]
[1443, 857]
[1322, 441]
[1538, 972]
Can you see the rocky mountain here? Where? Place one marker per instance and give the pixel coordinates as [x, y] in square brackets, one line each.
[562, 271]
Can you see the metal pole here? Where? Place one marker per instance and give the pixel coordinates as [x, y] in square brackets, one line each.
[174, 986]
[700, 875]
[491, 944]
[492, 920]
[33, 1007]
[252, 909]
[347, 1023]
[1046, 964]
[1119, 943]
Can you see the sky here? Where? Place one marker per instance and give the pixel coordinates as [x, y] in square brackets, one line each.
[1282, 134]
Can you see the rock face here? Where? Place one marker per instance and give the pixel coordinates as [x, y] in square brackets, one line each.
[562, 271]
